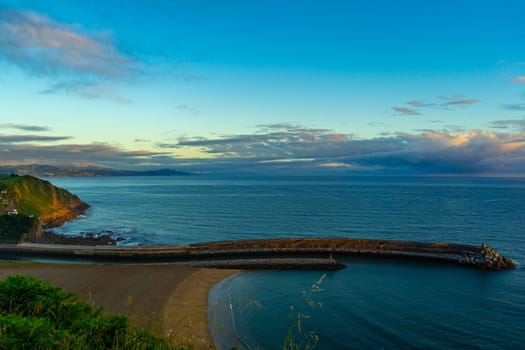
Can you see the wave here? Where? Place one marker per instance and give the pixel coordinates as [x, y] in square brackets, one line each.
[123, 235]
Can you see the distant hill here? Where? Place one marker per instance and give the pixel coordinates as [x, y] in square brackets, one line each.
[38, 199]
[91, 171]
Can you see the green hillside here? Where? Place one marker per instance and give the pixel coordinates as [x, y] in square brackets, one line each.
[36, 315]
[27, 196]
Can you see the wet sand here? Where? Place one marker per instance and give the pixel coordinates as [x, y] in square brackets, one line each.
[171, 300]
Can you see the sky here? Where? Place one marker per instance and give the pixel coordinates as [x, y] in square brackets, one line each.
[265, 87]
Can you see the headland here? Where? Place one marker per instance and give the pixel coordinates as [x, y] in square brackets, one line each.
[28, 205]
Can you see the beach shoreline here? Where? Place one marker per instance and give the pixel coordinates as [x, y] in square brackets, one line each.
[170, 300]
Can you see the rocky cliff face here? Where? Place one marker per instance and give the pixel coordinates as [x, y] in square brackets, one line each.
[52, 206]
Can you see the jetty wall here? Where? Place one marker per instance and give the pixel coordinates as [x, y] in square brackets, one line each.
[259, 253]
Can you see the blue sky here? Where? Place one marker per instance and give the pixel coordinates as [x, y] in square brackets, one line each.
[294, 87]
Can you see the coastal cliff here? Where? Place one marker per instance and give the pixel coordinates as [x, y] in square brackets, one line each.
[31, 197]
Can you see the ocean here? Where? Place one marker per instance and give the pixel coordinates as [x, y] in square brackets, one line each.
[373, 303]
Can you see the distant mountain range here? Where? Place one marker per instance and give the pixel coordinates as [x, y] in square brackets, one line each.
[39, 170]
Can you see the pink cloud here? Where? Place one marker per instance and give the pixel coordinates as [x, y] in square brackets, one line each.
[463, 102]
[48, 47]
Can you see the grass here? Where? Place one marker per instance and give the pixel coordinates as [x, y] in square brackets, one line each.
[36, 197]
[36, 315]
[297, 337]
[12, 227]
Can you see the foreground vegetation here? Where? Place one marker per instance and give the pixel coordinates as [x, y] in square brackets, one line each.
[13, 227]
[36, 315]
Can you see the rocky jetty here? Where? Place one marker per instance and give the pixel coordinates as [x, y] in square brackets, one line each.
[488, 259]
[292, 252]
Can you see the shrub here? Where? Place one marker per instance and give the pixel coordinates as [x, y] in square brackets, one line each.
[36, 315]
[12, 227]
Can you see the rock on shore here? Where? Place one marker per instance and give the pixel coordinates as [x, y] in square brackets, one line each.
[89, 239]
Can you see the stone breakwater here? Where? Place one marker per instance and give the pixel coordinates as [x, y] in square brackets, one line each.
[487, 258]
[257, 253]
[269, 264]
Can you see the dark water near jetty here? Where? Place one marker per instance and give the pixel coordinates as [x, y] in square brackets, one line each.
[372, 303]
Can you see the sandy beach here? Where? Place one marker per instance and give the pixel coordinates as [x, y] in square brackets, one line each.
[169, 299]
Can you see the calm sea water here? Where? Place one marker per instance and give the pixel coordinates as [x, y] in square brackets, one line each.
[371, 304]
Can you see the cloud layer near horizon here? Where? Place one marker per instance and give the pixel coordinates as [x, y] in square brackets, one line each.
[100, 154]
[429, 151]
[287, 148]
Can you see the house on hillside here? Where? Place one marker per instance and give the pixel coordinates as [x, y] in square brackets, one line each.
[12, 211]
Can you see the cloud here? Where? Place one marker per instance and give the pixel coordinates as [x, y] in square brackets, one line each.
[475, 152]
[520, 79]
[283, 148]
[462, 102]
[406, 111]
[87, 89]
[80, 61]
[336, 165]
[24, 127]
[446, 103]
[288, 127]
[509, 123]
[10, 139]
[187, 108]
[288, 160]
[100, 154]
[417, 103]
[450, 101]
[514, 106]
[44, 46]
[456, 129]
[294, 149]
[276, 141]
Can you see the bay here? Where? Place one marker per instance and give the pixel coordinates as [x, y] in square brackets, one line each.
[372, 303]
